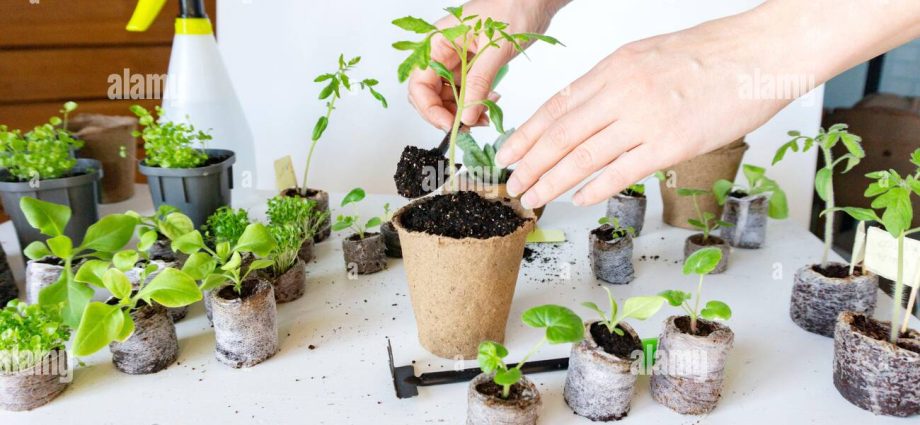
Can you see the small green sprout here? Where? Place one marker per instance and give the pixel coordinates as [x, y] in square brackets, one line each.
[353, 222]
[639, 308]
[706, 222]
[701, 263]
[758, 183]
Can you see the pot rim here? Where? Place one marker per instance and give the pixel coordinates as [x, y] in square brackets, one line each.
[500, 402]
[847, 317]
[611, 242]
[599, 351]
[621, 195]
[809, 270]
[262, 285]
[528, 216]
[722, 241]
[205, 170]
[91, 168]
[320, 193]
[748, 198]
[670, 326]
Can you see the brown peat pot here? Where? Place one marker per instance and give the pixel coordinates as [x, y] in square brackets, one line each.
[153, 346]
[245, 325]
[600, 382]
[611, 255]
[36, 386]
[40, 274]
[391, 240]
[305, 253]
[365, 256]
[8, 289]
[695, 243]
[629, 209]
[291, 285]
[873, 373]
[321, 197]
[819, 295]
[486, 407]
[748, 216]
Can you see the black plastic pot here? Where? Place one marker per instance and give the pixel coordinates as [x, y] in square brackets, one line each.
[80, 192]
[197, 192]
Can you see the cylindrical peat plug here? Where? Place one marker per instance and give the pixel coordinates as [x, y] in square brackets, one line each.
[820, 294]
[365, 256]
[695, 243]
[600, 382]
[245, 325]
[306, 253]
[748, 216]
[391, 240]
[485, 406]
[153, 346]
[35, 386]
[611, 255]
[629, 210]
[291, 285]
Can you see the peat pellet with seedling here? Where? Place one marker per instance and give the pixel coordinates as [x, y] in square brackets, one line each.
[365, 252]
[153, 346]
[390, 235]
[35, 361]
[746, 208]
[629, 206]
[706, 223]
[245, 323]
[821, 293]
[611, 252]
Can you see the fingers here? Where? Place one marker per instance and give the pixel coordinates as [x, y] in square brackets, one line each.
[560, 139]
[583, 161]
[629, 168]
[425, 87]
[479, 82]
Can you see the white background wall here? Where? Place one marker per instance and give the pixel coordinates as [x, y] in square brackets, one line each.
[274, 49]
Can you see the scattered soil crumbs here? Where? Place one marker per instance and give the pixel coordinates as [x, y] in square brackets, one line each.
[462, 215]
[420, 171]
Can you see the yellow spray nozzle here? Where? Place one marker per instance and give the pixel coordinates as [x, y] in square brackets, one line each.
[144, 14]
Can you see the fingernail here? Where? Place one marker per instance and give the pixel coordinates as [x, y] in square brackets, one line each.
[513, 187]
[529, 200]
[578, 200]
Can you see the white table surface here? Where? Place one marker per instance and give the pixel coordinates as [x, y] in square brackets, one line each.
[777, 373]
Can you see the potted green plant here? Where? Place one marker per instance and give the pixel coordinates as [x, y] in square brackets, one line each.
[601, 380]
[287, 273]
[876, 362]
[365, 252]
[242, 304]
[822, 291]
[683, 385]
[445, 233]
[180, 171]
[302, 212]
[502, 394]
[390, 235]
[747, 207]
[334, 85]
[35, 369]
[41, 164]
[629, 205]
[611, 251]
[707, 223]
[134, 322]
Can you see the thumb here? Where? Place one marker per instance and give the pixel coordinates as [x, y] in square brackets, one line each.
[479, 84]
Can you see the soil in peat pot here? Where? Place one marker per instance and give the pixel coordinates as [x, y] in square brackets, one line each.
[836, 271]
[462, 215]
[613, 344]
[876, 330]
[491, 389]
[703, 329]
[606, 233]
[632, 193]
[413, 175]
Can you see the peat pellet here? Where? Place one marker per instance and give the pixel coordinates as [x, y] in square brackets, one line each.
[629, 210]
[245, 325]
[35, 386]
[291, 285]
[600, 382]
[820, 294]
[748, 216]
[486, 407]
[305, 253]
[41, 274]
[695, 243]
[391, 240]
[321, 197]
[611, 255]
[8, 289]
[153, 346]
[365, 256]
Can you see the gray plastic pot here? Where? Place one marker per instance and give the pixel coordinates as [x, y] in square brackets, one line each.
[695, 243]
[34, 387]
[153, 346]
[600, 385]
[630, 210]
[8, 289]
[748, 217]
[611, 260]
[80, 192]
[874, 374]
[245, 327]
[483, 409]
[197, 192]
[365, 256]
[817, 300]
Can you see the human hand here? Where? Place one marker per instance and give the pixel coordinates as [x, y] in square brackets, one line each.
[434, 100]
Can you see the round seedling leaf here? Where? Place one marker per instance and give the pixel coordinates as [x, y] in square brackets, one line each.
[716, 310]
[562, 325]
[508, 377]
[703, 261]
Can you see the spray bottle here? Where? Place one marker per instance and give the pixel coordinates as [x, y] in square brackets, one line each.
[198, 89]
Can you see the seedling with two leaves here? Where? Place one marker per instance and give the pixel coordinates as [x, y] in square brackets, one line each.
[758, 183]
[353, 222]
[639, 308]
[223, 265]
[616, 230]
[701, 263]
[706, 222]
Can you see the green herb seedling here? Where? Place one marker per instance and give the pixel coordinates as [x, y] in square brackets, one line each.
[639, 308]
[30, 332]
[102, 240]
[891, 194]
[758, 183]
[701, 263]
[824, 179]
[706, 222]
[336, 83]
[44, 153]
[169, 144]
[562, 326]
[469, 31]
[617, 231]
[284, 210]
[226, 225]
[222, 266]
[480, 161]
[353, 222]
[387, 213]
[288, 240]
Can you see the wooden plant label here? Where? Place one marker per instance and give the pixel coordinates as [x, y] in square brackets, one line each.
[859, 246]
[881, 256]
[285, 177]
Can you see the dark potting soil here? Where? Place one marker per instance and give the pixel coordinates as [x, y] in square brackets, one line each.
[299, 193]
[632, 193]
[880, 331]
[710, 241]
[354, 236]
[51, 261]
[415, 166]
[247, 290]
[702, 328]
[462, 215]
[837, 271]
[738, 194]
[620, 346]
[606, 233]
[491, 389]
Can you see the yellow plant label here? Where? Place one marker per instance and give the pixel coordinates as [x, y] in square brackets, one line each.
[285, 177]
[539, 235]
[881, 256]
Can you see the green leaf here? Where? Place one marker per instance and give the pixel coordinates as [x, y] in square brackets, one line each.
[703, 261]
[675, 298]
[323, 77]
[199, 265]
[61, 246]
[260, 264]
[147, 239]
[125, 260]
[110, 234]
[171, 288]
[753, 173]
[456, 11]
[779, 206]
[899, 213]
[236, 260]
[74, 296]
[469, 146]
[101, 324]
[50, 219]
[716, 310]
[823, 183]
[593, 307]
[356, 195]
[213, 281]
[495, 115]
[419, 58]
[342, 223]
[641, 308]
[530, 36]
[176, 225]
[320, 127]
[562, 325]
[915, 158]
[188, 243]
[257, 240]
[442, 71]
[490, 356]
[37, 250]
[860, 214]
[378, 96]
[373, 222]
[127, 329]
[117, 283]
[792, 145]
[406, 45]
[508, 377]
[91, 272]
[455, 32]
[721, 189]
[416, 25]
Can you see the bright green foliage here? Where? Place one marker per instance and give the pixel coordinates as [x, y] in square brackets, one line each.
[28, 333]
[288, 240]
[561, 326]
[44, 153]
[353, 222]
[639, 308]
[701, 263]
[294, 209]
[167, 221]
[824, 179]
[227, 225]
[101, 241]
[169, 144]
[706, 222]
[758, 183]
[480, 161]
[222, 266]
[486, 32]
[335, 83]
[618, 231]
